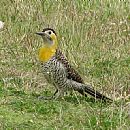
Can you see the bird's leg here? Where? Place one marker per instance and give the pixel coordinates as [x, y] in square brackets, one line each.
[55, 92]
[54, 95]
[60, 94]
[49, 97]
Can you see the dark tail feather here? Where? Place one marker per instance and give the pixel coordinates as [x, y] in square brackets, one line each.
[82, 92]
[88, 89]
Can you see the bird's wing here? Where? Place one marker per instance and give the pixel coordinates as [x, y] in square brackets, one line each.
[72, 73]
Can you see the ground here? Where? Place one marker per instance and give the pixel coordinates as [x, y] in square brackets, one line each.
[94, 36]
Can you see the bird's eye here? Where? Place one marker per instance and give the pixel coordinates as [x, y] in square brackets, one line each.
[49, 32]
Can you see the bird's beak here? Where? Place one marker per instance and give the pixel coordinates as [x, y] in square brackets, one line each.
[40, 33]
[44, 35]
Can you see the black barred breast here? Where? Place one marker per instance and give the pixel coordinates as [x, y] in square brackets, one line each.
[54, 72]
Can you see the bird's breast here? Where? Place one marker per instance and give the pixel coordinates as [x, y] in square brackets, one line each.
[53, 70]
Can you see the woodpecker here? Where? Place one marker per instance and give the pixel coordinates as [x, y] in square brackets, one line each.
[58, 71]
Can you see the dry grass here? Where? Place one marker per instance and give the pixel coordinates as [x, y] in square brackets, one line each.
[93, 35]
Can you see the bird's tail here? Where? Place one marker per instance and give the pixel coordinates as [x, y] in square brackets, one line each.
[83, 88]
[88, 89]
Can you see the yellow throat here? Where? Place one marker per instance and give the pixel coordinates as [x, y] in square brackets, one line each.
[47, 51]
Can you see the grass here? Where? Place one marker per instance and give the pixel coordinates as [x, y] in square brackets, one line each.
[94, 36]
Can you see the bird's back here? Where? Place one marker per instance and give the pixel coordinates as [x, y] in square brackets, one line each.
[71, 72]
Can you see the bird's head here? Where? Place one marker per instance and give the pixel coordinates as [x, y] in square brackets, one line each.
[50, 44]
[49, 36]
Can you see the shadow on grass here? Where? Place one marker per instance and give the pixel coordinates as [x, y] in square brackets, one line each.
[72, 99]
[82, 100]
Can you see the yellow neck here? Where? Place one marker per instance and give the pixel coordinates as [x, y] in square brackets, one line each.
[46, 52]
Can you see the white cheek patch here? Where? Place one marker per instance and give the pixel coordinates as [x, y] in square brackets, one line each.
[46, 40]
[51, 42]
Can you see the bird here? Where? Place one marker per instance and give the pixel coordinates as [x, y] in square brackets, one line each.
[58, 71]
